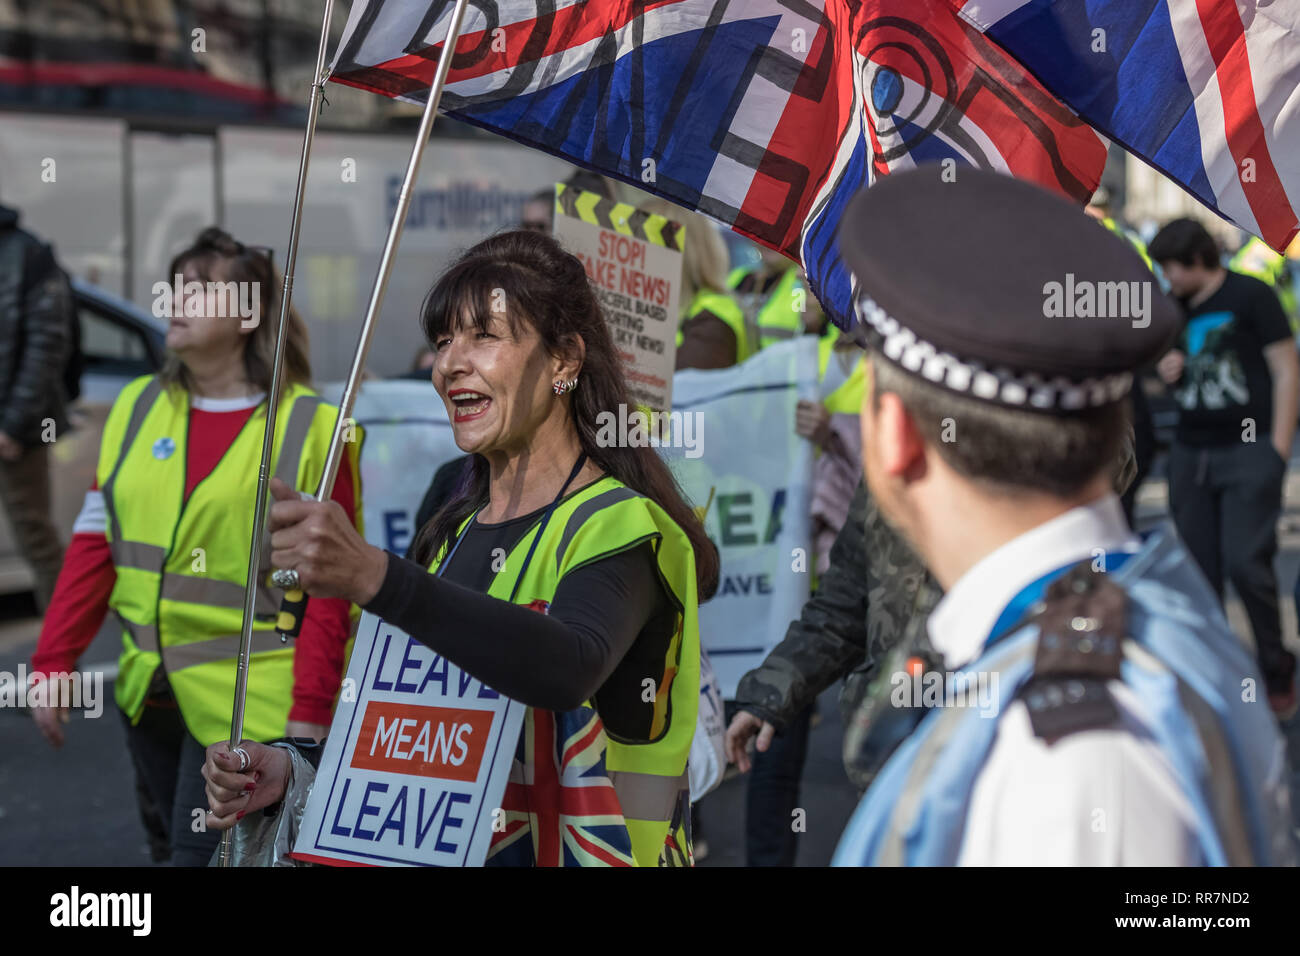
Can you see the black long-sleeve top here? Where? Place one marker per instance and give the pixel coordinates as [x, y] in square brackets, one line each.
[608, 626]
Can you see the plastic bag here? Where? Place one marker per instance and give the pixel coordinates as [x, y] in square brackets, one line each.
[261, 840]
[708, 761]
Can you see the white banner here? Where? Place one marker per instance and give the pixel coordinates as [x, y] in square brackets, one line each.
[760, 475]
[416, 761]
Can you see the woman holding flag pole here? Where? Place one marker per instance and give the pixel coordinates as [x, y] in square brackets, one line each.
[589, 618]
[610, 667]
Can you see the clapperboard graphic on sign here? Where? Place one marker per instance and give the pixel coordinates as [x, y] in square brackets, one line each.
[415, 767]
[634, 259]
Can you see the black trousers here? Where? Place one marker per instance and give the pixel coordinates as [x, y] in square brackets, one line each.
[1226, 501]
[168, 761]
[772, 793]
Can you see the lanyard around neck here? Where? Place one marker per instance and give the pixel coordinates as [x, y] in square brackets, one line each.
[582, 460]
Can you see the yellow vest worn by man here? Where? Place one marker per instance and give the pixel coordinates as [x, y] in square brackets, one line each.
[182, 564]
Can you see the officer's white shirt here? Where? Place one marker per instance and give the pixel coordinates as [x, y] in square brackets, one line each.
[1094, 797]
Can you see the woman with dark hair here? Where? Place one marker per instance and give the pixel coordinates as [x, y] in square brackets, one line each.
[163, 538]
[567, 571]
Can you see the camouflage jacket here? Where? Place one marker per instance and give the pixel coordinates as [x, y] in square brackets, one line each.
[845, 630]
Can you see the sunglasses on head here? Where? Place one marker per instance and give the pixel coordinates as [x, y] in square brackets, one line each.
[259, 250]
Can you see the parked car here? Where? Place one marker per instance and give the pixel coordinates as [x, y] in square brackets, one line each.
[120, 341]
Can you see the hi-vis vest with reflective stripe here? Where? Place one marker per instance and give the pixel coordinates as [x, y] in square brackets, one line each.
[602, 519]
[1187, 669]
[780, 316]
[182, 565]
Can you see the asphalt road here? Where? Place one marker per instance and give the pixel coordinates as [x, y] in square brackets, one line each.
[77, 806]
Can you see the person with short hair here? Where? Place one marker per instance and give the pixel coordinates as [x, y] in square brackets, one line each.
[1078, 700]
[538, 212]
[1236, 377]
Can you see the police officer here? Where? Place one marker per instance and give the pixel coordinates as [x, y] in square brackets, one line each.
[1081, 700]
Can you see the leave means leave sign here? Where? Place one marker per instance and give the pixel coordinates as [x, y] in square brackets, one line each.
[415, 767]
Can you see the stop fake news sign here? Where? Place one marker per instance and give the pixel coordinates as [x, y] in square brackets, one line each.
[415, 764]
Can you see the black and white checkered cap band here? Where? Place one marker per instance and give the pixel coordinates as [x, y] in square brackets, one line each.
[902, 347]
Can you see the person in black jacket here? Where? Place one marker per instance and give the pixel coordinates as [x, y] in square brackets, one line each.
[873, 600]
[36, 316]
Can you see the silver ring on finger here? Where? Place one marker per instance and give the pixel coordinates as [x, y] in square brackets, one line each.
[287, 579]
[244, 759]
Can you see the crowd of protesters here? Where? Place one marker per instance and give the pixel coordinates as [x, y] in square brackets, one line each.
[1233, 377]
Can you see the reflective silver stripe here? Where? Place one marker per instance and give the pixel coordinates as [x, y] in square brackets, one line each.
[648, 796]
[214, 593]
[777, 332]
[137, 554]
[585, 511]
[295, 437]
[1225, 797]
[145, 636]
[909, 799]
[143, 403]
[224, 648]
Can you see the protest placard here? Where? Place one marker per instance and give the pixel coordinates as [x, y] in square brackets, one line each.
[635, 261]
[416, 763]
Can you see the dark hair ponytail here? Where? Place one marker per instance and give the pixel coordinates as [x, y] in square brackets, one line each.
[549, 289]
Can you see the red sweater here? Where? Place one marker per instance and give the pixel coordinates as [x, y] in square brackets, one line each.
[81, 594]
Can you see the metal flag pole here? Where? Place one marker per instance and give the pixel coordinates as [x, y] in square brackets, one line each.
[272, 404]
[294, 605]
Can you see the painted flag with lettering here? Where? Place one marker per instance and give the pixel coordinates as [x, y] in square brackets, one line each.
[765, 115]
[1206, 91]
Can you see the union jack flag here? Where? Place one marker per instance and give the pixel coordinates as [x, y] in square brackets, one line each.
[1203, 90]
[560, 808]
[766, 115]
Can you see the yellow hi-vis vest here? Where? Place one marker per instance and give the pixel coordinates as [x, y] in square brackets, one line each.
[649, 776]
[846, 397]
[725, 308]
[182, 565]
[781, 314]
[1132, 240]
